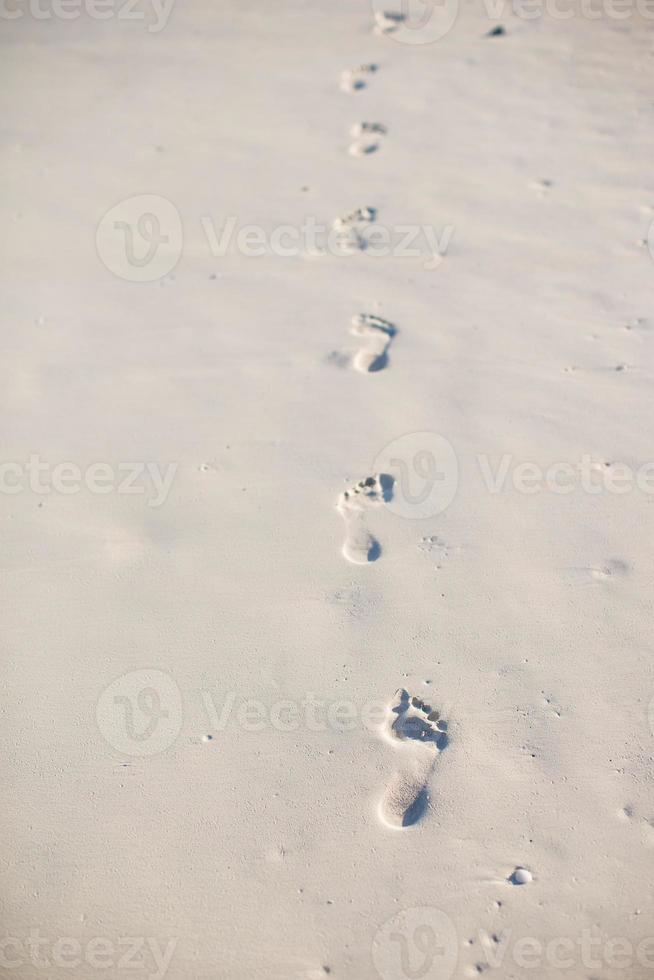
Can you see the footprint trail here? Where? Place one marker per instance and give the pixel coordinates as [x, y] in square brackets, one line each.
[349, 227]
[387, 21]
[354, 79]
[419, 732]
[366, 138]
[360, 546]
[378, 335]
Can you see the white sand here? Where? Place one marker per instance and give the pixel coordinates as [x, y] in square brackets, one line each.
[262, 853]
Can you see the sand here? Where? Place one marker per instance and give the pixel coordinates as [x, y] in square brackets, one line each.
[254, 728]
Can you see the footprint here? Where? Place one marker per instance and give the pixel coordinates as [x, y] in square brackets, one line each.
[354, 79]
[416, 729]
[378, 334]
[349, 228]
[614, 568]
[621, 367]
[360, 546]
[387, 21]
[368, 128]
[362, 148]
[366, 138]
[543, 186]
[360, 216]
[638, 323]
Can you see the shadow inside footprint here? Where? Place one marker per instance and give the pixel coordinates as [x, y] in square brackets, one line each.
[374, 551]
[387, 482]
[417, 809]
[379, 363]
